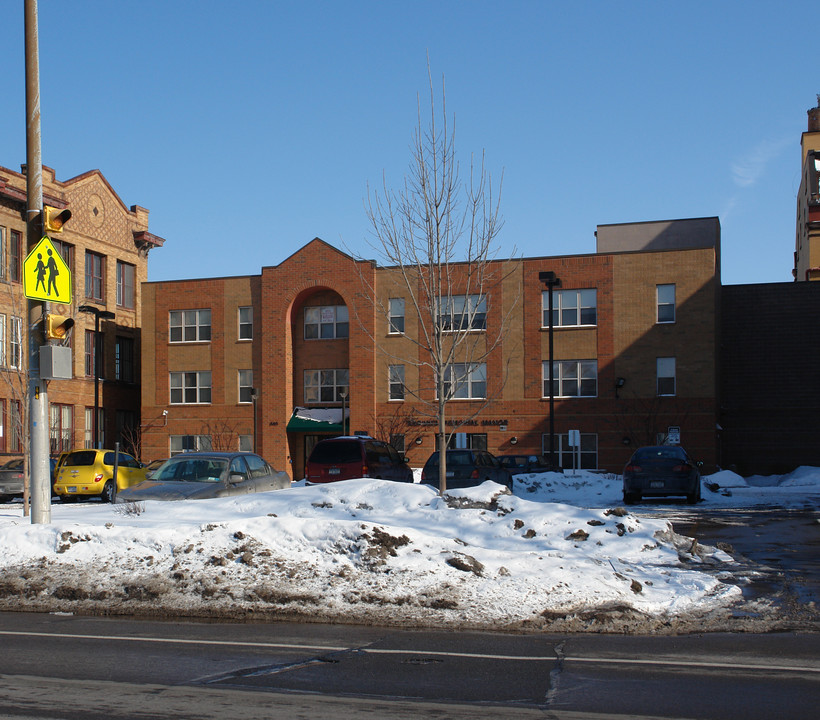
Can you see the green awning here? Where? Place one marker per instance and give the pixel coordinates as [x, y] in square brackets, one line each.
[297, 424]
[317, 420]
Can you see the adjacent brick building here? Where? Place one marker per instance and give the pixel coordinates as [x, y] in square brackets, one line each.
[277, 360]
[105, 245]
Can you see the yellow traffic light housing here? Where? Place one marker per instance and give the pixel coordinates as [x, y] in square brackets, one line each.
[54, 219]
[57, 326]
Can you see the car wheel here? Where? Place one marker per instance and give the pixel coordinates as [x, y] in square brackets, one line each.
[107, 495]
[631, 498]
[692, 498]
[5, 498]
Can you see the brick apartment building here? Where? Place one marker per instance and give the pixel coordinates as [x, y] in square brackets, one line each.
[105, 245]
[807, 243]
[275, 361]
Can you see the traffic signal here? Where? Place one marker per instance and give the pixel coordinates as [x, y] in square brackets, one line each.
[54, 219]
[57, 326]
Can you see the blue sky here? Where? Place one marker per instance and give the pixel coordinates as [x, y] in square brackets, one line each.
[249, 128]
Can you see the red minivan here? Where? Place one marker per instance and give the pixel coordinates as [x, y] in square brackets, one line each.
[343, 458]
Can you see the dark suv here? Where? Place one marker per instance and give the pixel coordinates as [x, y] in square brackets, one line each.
[343, 458]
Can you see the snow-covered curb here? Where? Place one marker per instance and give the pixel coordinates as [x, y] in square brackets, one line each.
[364, 551]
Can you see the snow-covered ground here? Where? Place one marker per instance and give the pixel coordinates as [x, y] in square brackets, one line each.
[559, 553]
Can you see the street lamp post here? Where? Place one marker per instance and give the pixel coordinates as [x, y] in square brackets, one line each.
[552, 281]
[343, 395]
[105, 315]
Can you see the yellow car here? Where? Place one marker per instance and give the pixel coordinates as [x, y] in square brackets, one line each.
[89, 473]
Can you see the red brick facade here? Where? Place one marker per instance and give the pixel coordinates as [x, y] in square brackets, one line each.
[625, 341]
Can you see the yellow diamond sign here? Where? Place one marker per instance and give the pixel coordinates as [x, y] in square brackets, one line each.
[46, 275]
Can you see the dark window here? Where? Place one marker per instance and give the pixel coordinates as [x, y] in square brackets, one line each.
[15, 257]
[124, 359]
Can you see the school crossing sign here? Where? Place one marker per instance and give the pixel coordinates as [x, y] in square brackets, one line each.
[46, 275]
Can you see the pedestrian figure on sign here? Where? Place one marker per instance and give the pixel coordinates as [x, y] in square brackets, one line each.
[41, 272]
[53, 272]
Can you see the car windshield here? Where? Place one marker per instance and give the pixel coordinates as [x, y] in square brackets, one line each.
[185, 469]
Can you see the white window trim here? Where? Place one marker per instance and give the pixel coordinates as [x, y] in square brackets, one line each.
[198, 325]
[391, 382]
[471, 307]
[545, 378]
[467, 380]
[674, 376]
[199, 387]
[239, 399]
[673, 304]
[240, 324]
[558, 306]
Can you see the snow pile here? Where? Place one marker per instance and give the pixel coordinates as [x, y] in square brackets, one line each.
[367, 551]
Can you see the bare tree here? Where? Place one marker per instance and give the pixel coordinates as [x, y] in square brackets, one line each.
[14, 376]
[421, 230]
[223, 434]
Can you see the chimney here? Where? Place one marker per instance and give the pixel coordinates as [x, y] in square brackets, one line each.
[814, 117]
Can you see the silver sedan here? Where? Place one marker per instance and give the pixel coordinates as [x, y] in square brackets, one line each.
[202, 475]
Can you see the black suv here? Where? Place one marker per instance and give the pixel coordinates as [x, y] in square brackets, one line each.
[343, 458]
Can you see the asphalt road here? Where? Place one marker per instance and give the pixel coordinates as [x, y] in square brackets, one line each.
[778, 550]
[78, 667]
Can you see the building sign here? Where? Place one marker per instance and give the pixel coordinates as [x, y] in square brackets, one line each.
[461, 423]
[46, 275]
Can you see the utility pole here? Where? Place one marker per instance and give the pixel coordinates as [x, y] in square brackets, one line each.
[37, 393]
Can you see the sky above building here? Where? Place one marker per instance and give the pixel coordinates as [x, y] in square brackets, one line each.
[249, 128]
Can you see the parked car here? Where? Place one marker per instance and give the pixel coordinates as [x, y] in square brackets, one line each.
[152, 467]
[519, 464]
[200, 475]
[89, 473]
[466, 468]
[661, 471]
[11, 480]
[343, 458]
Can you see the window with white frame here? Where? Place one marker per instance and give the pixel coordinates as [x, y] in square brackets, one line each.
[571, 378]
[246, 323]
[61, 426]
[465, 381]
[125, 284]
[666, 303]
[395, 319]
[570, 308]
[666, 376]
[464, 312]
[189, 326]
[246, 443]
[188, 443]
[190, 388]
[326, 386]
[89, 427]
[245, 386]
[564, 453]
[467, 441]
[2, 253]
[16, 343]
[2, 340]
[398, 442]
[326, 322]
[396, 382]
